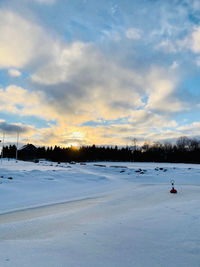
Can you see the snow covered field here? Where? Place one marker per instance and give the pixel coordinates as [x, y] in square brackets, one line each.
[99, 214]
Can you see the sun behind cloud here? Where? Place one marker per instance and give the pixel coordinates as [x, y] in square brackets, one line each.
[72, 145]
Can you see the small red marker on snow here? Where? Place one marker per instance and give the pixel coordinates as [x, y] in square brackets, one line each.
[173, 191]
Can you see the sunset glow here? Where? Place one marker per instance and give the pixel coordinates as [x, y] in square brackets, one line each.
[72, 145]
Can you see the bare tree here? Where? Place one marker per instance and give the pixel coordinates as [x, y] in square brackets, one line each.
[183, 142]
[134, 143]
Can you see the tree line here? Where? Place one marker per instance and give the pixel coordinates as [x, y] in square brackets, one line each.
[185, 150]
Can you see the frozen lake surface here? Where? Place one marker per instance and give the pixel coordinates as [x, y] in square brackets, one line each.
[99, 214]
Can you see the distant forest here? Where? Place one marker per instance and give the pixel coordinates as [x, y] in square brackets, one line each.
[186, 150]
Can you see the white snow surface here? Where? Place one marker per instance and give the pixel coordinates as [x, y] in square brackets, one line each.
[99, 214]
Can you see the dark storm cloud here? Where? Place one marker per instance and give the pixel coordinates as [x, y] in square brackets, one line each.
[12, 128]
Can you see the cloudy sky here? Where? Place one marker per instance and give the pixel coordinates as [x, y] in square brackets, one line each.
[99, 72]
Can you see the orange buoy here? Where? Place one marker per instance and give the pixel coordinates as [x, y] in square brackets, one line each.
[173, 190]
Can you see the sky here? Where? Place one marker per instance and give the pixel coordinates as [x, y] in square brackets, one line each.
[106, 72]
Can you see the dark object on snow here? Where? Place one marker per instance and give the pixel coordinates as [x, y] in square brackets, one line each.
[27, 152]
[173, 190]
[100, 165]
[116, 166]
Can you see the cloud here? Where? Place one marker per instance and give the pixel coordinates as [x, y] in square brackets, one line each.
[17, 40]
[150, 129]
[140, 124]
[195, 40]
[191, 41]
[167, 46]
[15, 99]
[77, 79]
[14, 73]
[76, 82]
[21, 41]
[133, 33]
[162, 94]
[113, 35]
[147, 119]
[11, 128]
[198, 61]
[174, 65]
[192, 129]
[87, 83]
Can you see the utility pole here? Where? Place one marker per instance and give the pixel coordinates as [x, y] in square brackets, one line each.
[2, 147]
[134, 148]
[17, 146]
[134, 143]
[1, 150]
